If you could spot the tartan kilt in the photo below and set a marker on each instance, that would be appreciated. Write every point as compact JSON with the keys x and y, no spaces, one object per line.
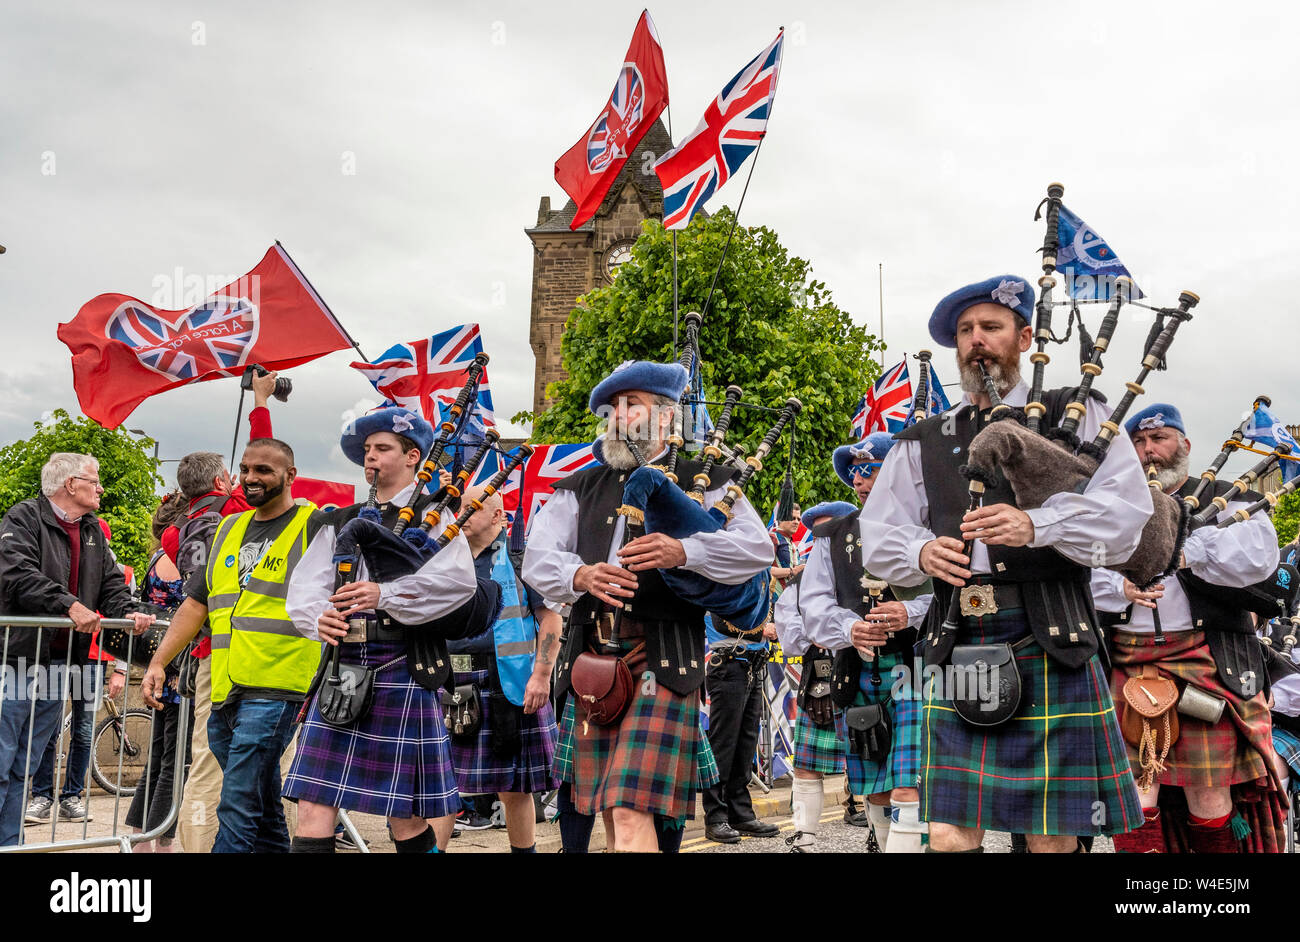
{"x":1287,"y":747}
{"x":395,"y":761}
{"x":706,"y":777}
{"x":817,"y":749}
{"x":1231,"y":751}
{"x":481,"y":771}
{"x":1236,"y":752}
{"x":1057,"y":767}
{"x":903,"y":767}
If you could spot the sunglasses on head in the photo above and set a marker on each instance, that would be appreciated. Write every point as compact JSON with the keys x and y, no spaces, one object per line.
{"x":865,"y":471}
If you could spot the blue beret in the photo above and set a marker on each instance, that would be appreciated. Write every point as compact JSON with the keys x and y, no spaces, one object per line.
{"x":827,"y":508}
{"x":1015,"y":294}
{"x":396,"y":419}
{"x":871,"y":449}
{"x":663,"y":379}
{"x":1156,"y":415}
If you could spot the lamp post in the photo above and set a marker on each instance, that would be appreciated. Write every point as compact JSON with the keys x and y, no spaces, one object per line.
{"x":143,"y":434}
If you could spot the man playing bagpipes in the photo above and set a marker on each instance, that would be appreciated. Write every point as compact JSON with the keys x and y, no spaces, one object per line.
{"x":869,"y":630}
{"x":395,"y":759}
{"x":1011,"y":640}
{"x":1188,"y":643}
{"x":642,"y":762}
{"x":506,"y":742}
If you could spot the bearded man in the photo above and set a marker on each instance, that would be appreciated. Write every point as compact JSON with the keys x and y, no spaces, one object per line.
{"x":644,"y":765}
{"x":1053,"y":769}
{"x":1194,"y":629}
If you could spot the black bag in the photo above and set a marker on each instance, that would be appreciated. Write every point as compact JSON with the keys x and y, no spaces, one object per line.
{"x":871,"y":731}
{"x":195,"y":532}
{"x":462,"y":713}
{"x":345,"y":699}
{"x":187,"y":668}
{"x":985,"y":683}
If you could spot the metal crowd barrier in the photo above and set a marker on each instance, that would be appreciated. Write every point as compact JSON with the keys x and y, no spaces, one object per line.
{"x":30,"y":679}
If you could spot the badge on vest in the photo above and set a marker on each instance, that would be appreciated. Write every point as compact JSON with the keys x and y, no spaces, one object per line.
{"x":230,"y":561}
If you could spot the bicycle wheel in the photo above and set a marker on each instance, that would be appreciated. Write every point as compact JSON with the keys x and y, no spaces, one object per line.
{"x":123,"y":739}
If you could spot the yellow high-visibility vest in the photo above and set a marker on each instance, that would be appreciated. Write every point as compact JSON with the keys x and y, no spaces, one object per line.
{"x":254,"y":642}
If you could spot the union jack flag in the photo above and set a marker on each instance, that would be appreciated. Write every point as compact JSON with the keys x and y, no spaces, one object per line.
{"x":888,"y":401}
{"x":729,"y":132}
{"x":215,"y":335}
{"x":545,"y":467}
{"x":427,"y":374}
{"x":860,"y":420}
{"x":616,"y":126}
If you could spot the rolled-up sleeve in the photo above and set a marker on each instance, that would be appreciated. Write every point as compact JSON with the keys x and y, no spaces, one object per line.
{"x":825,"y":622}
{"x":895,"y":518}
{"x":1236,"y":556}
{"x":789,"y":622}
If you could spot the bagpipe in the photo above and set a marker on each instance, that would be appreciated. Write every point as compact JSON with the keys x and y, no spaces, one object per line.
{"x":391,"y":554}
{"x":1037,"y":462}
{"x":654,"y":501}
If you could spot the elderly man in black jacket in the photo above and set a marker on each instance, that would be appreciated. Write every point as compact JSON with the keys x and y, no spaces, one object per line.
{"x":53,"y":561}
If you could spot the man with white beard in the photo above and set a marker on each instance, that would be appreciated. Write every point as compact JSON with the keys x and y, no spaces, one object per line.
{"x":1193,"y":628}
{"x":641,"y":767}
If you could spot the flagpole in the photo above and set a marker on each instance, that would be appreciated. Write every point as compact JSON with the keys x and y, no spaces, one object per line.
{"x":239,"y":415}
{"x":668,"y":110}
{"x":732,"y":231}
{"x":881,"y":282}
{"x":338,"y":323}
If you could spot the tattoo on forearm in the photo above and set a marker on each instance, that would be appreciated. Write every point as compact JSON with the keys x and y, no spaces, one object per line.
{"x":548,"y":648}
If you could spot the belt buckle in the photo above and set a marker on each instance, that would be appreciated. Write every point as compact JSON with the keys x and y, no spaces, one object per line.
{"x":977,"y":601}
{"x":359,"y":627}
{"x":604,"y":621}
{"x":462,"y":663}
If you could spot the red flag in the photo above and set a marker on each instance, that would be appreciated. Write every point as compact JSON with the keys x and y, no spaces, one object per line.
{"x":124,"y":351}
{"x":589,"y":167}
{"x":324,"y":494}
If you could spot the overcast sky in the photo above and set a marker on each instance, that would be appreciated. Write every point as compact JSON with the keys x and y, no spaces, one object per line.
{"x":140,"y":138}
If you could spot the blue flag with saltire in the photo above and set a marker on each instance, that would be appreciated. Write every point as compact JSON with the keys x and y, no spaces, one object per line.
{"x":1265,"y":429}
{"x":1086,"y":260}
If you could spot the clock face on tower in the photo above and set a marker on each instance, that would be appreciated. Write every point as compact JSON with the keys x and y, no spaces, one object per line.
{"x":616,"y":255}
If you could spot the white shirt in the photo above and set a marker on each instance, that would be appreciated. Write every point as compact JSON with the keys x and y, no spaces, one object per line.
{"x":789,"y":623}
{"x":1101,"y":525}
{"x":827,"y":624}
{"x":729,"y":556}
{"x":1236,"y":556}
{"x":1286,"y":692}
{"x":440,"y":586}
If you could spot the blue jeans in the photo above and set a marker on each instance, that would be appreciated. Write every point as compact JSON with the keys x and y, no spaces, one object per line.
{"x":248,"y":738}
{"x":84,"y":700}
{"x":16,"y":718}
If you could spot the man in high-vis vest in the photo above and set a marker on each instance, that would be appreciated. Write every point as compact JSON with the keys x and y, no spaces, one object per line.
{"x":508,"y":658}
{"x":261,"y":665}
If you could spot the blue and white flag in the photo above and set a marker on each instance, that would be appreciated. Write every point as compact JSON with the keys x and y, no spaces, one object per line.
{"x":938,"y":400}
{"x":1265,"y":429}
{"x":1088,"y":263}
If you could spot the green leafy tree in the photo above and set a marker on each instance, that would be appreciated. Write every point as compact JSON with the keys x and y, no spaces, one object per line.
{"x":1286,"y":518}
{"x":127,"y":470}
{"x":770,"y":328}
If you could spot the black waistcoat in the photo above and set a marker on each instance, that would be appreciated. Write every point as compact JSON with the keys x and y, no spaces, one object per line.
{"x":1058,"y":603}
{"x":1220,"y":612}
{"x":426,"y":651}
{"x":675,"y":627}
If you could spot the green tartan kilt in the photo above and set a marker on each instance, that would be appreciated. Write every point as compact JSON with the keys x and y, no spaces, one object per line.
{"x":902,"y":768}
{"x":1059,"y":766}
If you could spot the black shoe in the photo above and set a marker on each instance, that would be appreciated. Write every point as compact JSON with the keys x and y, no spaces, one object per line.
{"x":722,"y":833}
{"x":857,"y":819}
{"x":756,"y":828}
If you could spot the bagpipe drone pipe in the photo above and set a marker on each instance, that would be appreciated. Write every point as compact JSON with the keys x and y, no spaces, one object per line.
{"x":653,"y":500}
{"x":1037,"y":462}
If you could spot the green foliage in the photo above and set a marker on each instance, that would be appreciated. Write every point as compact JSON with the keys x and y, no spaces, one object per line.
{"x":127,"y":470}
{"x":1286,"y":518}
{"x":771,"y":329}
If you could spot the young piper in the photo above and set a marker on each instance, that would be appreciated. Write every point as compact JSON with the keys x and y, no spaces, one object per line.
{"x":396,"y":759}
{"x":644,"y":765}
{"x":1055,"y":769}
{"x":839,"y":615}
{"x":819,"y":730}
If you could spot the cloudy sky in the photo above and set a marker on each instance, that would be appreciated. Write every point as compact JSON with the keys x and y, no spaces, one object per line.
{"x":138,"y":139}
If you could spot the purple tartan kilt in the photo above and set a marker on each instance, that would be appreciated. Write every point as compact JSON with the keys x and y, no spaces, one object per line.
{"x":395,"y":761}
{"x":480,"y":771}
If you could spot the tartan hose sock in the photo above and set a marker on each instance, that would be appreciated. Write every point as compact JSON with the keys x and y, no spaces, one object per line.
{"x":1212,"y":835}
{"x":1147,"y":839}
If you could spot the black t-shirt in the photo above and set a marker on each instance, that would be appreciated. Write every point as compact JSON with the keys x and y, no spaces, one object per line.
{"x":257,"y":540}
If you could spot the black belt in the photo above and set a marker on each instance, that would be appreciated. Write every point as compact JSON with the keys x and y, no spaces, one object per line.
{"x":466,"y":663}
{"x":382,"y":627}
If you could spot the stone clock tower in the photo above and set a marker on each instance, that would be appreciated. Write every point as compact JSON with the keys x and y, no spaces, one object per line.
{"x":568,"y":264}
